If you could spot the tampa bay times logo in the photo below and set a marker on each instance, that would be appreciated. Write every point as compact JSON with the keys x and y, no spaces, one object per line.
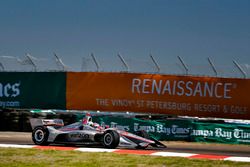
{"x":9,"y":89}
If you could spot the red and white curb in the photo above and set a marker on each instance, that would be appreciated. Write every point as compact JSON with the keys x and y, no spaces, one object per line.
{"x":137,"y":152}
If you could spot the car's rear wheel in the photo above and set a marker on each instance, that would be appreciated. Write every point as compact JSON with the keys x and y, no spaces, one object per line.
{"x":40,"y":135}
{"x":111,"y":139}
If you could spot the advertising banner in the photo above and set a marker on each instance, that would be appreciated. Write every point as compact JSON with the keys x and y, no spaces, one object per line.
{"x":182,"y":130}
{"x":32,"y":90}
{"x":161,"y":130}
{"x":221,"y":133}
{"x":155,"y":93}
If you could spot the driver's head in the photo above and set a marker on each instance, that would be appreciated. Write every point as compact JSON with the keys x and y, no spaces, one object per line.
{"x":87,"y":119}
{"x":90,"y":123}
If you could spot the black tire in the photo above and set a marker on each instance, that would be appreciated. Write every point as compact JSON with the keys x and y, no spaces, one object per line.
{"x":111,"y":139}
{"x":40,"y":136}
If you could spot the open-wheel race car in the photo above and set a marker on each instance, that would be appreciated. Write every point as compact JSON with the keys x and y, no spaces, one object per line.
{"x":85,"y":132}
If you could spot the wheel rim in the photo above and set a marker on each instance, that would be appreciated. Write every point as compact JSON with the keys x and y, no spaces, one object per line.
{"x":108,"y":139}
{"x":39,"y":135}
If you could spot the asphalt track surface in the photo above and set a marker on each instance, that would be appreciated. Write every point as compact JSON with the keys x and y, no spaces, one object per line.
{"x":180,"y":147}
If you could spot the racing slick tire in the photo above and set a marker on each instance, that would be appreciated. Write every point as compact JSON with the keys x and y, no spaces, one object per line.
{"x":40,"y":135}
{"x":111,"y":139}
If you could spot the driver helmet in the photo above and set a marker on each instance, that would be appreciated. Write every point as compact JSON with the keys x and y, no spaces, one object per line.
{"x":90,"y":123}
{"x":87,"y":120}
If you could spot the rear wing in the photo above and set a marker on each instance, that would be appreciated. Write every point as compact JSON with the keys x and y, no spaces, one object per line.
{"x":45,"y":122}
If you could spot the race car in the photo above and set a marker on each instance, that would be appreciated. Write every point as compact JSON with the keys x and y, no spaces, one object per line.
{"x":85,"y":132}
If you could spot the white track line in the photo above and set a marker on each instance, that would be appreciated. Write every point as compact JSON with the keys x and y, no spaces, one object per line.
{"x":172,"y":154}
{"x":239,"y":159}
{"x":95,"y":150}
{"x":16,"y":146}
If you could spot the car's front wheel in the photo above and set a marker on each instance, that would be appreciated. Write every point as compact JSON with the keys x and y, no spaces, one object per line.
{"x":40,"y":135}
{"x":111,"y":139}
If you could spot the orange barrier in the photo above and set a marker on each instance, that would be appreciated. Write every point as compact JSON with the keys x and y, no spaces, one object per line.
{"x":154,"y":93}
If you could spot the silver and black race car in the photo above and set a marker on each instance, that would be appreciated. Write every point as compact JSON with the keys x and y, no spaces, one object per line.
{"x":49,"y":131}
